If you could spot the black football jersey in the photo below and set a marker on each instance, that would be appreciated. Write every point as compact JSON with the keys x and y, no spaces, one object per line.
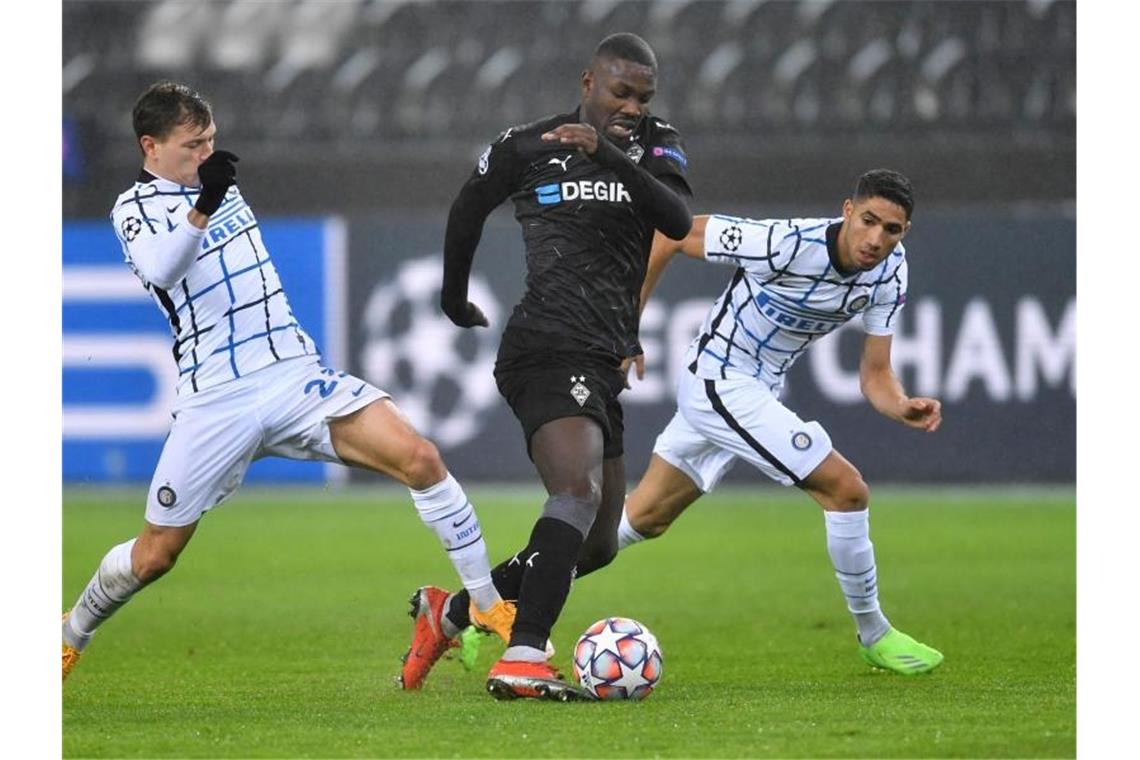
{"x":586,"y":249}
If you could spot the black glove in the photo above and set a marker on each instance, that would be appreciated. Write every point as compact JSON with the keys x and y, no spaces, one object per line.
{"x":216,"y":173}
{"x":469,"y":316}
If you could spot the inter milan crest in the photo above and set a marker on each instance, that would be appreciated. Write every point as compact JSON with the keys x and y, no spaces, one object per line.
{"x":579,"y":391}
{"x":731,"y":238}
{"x":857,"y":304}
{"x":166,"y":496}
{"x":131,"y":228}
{"x":801,"y":441}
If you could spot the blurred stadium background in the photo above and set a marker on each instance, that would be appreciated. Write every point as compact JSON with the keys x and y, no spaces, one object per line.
{"x":358,"y":120}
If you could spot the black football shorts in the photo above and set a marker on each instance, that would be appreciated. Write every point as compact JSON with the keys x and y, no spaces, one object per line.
{"x":546,"y":377}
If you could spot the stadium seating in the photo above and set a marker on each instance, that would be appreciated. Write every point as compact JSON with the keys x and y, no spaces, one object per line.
{"x":405,"y":68}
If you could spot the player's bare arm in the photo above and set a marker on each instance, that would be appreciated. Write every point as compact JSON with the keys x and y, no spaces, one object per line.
{"x":882,"y":388}
{"x":665,"y":248}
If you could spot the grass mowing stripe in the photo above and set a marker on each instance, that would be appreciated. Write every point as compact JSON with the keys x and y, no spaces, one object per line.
{"x":278,"y":634}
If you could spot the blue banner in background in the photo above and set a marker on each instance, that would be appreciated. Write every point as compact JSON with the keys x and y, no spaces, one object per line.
{"x":119,"y":374}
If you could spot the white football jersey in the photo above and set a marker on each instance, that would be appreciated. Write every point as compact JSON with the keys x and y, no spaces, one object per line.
{"x":217,"y":287}
{"x":785,"y":294}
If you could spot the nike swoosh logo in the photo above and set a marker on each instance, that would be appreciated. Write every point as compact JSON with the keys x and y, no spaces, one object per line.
{"x":359,"y":390}
{"x":465,"y":519}
{"x":172,"y":209}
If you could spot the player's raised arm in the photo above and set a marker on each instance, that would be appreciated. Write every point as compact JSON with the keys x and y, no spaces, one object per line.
{"x":883,"y":389}
{"x":664,"y":248}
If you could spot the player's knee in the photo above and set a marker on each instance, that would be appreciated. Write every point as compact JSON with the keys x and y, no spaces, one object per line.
{"x":853,"y":493}
{"x":585,"y":488}
{"x":153,"y":562}
{"x":422,"y":466}
{"x":650,"y":524}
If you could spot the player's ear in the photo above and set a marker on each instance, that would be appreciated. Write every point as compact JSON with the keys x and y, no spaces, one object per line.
{"x":587,"y":82}
{"x":147,"y":143}
{"x":848,"y":207}
{"x":906,"y":229}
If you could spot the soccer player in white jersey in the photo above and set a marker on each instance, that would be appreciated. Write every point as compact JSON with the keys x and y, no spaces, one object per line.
{"x":251,"y":382}
{"x":795,"y":281}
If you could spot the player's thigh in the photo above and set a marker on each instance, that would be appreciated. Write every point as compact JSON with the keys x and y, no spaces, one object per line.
{"x":204,"y":459}
{"x":837,"y":485}
{"x":740,"y":416}
{"x":380,"y":438}
{"x":567,"y":453}
{"x":316,"y":412}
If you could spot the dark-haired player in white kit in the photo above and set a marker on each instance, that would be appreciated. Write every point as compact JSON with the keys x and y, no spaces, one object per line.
{"x":796,"y":280}
{"x":251,"y":382}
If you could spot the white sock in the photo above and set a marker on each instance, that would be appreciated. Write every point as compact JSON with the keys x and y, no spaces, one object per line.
{"x":626,"y":533}
{"x":524,"y":654}
{"x":445,"y":509}
{"x":853,"y":555}
{"x":108,"y":590}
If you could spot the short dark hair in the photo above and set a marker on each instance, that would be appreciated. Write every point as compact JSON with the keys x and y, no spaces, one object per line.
{"x":628,"y":47}
{"x":889,"y":185}
{"x":166,"y":105}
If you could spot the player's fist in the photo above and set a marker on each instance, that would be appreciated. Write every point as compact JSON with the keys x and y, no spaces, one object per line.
{"x":922,"y":413}
{"x":216,"y":174}
{"x":469,"y":316}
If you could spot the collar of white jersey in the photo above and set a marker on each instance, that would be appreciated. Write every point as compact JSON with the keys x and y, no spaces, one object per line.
{"x":146,"y":177}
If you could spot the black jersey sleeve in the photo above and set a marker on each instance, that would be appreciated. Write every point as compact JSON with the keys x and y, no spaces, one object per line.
{"x":653,"y":200}
{"x":665,"y":154}
{"x":492,"y":182}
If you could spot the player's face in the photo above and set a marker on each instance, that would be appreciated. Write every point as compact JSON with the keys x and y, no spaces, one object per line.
{"x":176,"y":156}
{"x":616,"y":95}
{"x":872,"y":227}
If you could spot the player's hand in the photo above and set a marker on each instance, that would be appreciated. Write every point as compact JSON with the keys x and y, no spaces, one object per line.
{"x":638,"y":362}
{"x":922,"y":413}
{"x":216,"y":174}
{"x":471,"y":316}
{"x":581,"y":136}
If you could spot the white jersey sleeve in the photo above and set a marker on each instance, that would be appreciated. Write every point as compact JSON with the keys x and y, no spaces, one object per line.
{"x":889,"y":297}
{"x":760,"y":247}
{"x":159,"y":246}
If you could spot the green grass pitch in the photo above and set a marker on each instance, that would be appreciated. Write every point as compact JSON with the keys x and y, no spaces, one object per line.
{"x":279,"y":633}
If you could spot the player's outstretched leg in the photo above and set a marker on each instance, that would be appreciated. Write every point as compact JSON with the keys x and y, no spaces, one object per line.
{"x":124,"y":570}
{"x":898,"y":652}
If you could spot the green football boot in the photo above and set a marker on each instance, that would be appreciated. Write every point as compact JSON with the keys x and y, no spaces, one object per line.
{"x":898,"y":652}
{"x":469,"y":640}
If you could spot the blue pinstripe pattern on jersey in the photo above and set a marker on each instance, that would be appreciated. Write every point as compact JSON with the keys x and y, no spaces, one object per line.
{"x":234,"y":274}
{"x":233,"y":300}
{"x":242,"y":342}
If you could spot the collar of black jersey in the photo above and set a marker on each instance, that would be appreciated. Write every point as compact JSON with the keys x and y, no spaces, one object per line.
{"x":145,"y":176}
{"x":833,"y":250}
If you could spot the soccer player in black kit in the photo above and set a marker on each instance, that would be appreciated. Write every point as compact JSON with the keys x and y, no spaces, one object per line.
{"x":589,"y":189}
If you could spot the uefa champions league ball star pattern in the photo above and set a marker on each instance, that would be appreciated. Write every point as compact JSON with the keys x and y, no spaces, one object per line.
{"x":617,"y":658}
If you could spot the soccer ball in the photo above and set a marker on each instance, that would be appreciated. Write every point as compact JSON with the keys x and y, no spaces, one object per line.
{"x":617,"y":658}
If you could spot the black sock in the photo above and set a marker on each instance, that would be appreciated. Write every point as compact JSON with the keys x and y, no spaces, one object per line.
{"x":548,"y":567}
{"x":507,"y":577}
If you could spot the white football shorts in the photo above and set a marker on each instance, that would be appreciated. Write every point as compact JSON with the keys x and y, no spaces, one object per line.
{"x":280,"y":410}
{"x":719,"y":421}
